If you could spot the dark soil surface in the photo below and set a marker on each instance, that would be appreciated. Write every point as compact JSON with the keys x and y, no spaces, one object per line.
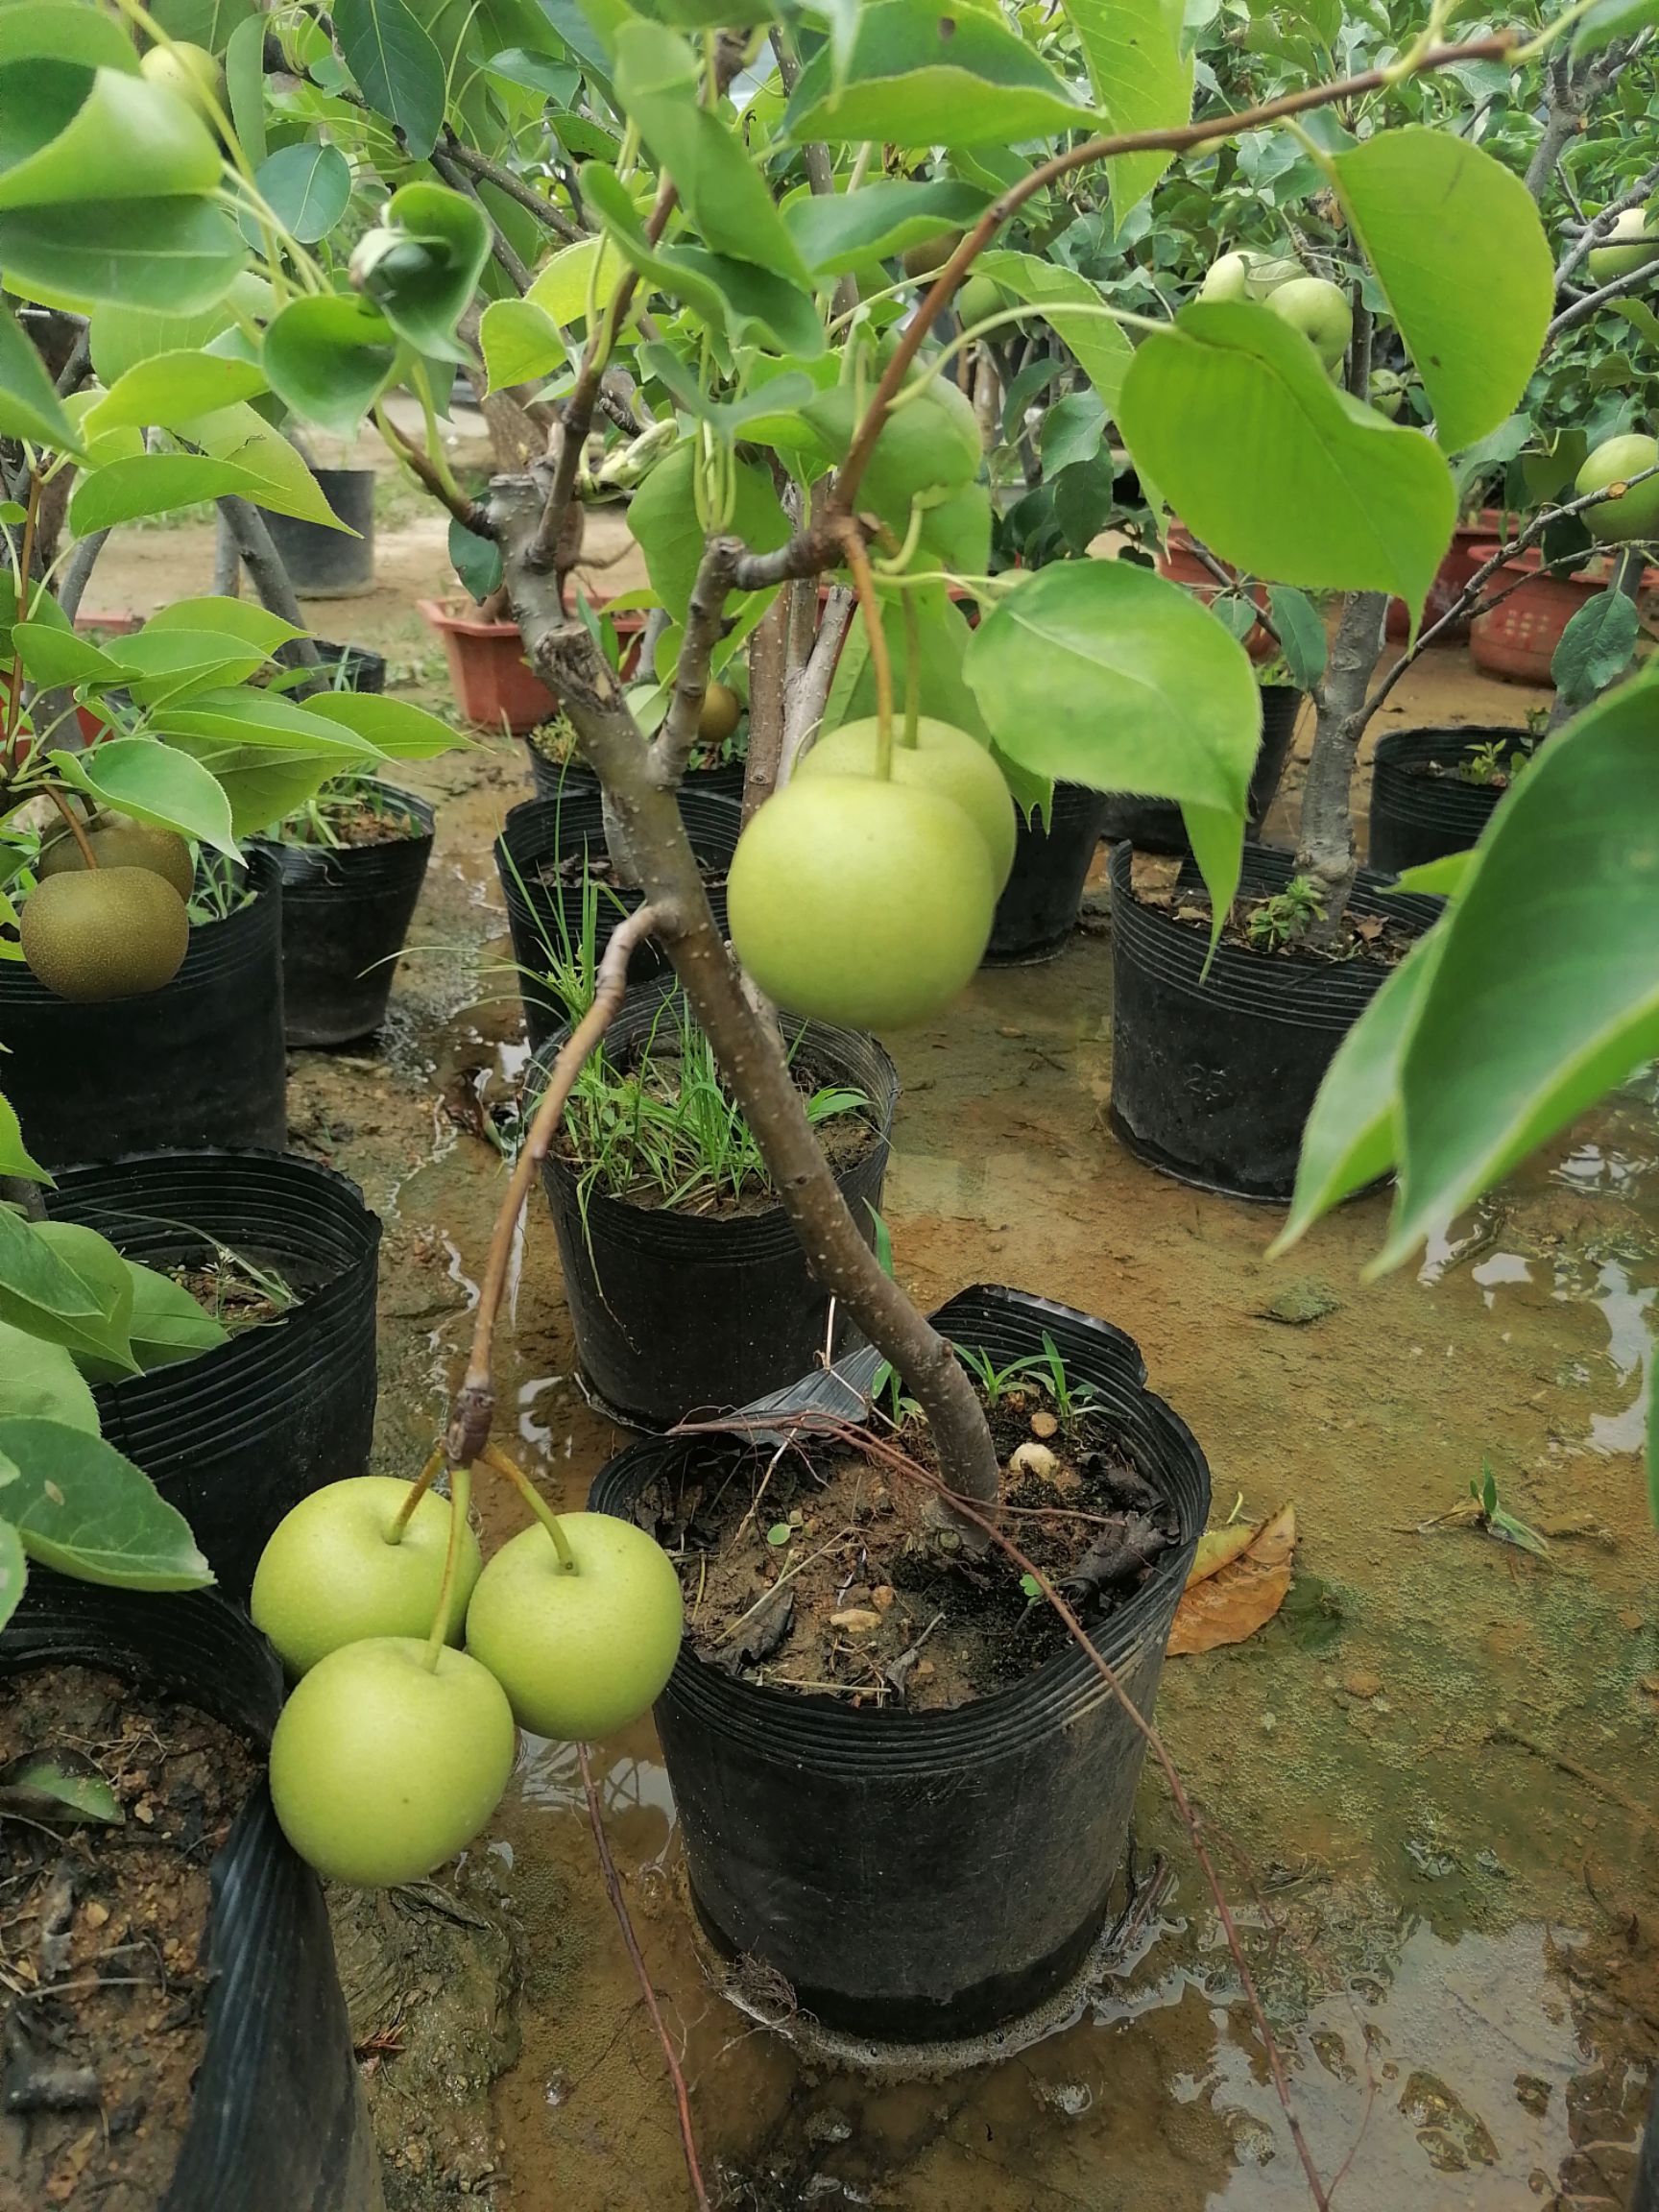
{"x":372,"y":822}
{"x":822,"y":1569}
{"x":232,"y":1295}
{"x":103,"y":1975}
{"x":593,"y":862}
{"x":1369,"y":937}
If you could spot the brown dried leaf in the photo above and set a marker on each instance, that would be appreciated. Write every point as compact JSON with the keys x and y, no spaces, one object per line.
{"x":1235,"y":1600}
{"x":1219,"y":1548}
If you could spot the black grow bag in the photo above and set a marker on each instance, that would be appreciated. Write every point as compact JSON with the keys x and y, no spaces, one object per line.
{"x":543,"y":916}
{"x":1155,"y":825}
{"x":1213,"y":1078}
{"x":277,"y":2122}
{"x":237,"y":1437}
{"x":1037,"y":909}
{"x":554,"y":779}
{"x":199,"y":1062}
{"x":346,"y":912}
{"x":677,"y":1313}
{"x":922,"y":1877}
{"x":322,"y":562}
{"x":1417,"y":815}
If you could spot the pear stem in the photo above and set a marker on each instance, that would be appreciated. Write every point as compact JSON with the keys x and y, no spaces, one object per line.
{"x":418,"y":1490}
{"x":912,"y":670}
{"x":493,"y":1456}
{"x":880,"y":661}
{"x":460,"y":1494}
{"x":77,"y":829}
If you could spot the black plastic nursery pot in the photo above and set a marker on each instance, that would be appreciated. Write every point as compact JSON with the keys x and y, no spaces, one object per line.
{"x":346,"y":912}
{"x":277,"y":2122}
{"x":679,"y":1313}
{"x":922,"y":1877}
{"x":1421,"y":808}
{"x":1038,"y":909}
{"x":201,"y":1060}
{"x":1213,"y":1078}
{"x":1155,"y":825}
{"x":324,"y":563}
{"x":557,"y":778}
{"x":352,"y":668}
{"x":237,"y":1436}
{"x":544,"y":914}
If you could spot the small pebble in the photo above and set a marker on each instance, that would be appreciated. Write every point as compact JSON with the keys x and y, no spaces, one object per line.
{"x":882,"y":1595}
{"x":1044,"y":1423}
{"x":1363,"y":1685}
{"x":857,"y":1619}
{"x":1032,"y":1460}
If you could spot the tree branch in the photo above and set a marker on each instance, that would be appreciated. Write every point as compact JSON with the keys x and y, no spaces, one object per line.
{"x":471,"y":514}
{"x":1468,"y":600}
{"x":1600,"y":228}
{"x":705,"y":620}
{"x":473,"y":1407}
{"x":768,"y":684}
{"x":507,"y":181}
{"x":1177,"y":140}
{"x":1591,"y":303}
{"x":270,"y":579}
{"x":1325,"y":847}
{"x":454,"y":174}
{"x":749,"y":1056}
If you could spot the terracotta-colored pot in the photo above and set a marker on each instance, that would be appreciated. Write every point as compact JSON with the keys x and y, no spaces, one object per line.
{"x":1180,"y":561}
{"x":1452,"y":575}
{"x":1518,"y":637}
{"x":495,"y":685}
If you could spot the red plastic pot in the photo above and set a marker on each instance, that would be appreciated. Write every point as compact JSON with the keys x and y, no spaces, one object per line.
{"x":495,"y":685}
{"x":1452,"y":576}
{"x":1180,"y":561}
{"x":1517,"y":637}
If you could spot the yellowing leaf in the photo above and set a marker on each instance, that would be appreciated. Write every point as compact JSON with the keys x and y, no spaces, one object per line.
{"x":1237,"y":1595}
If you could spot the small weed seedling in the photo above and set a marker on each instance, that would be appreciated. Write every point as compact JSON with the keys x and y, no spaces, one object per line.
{"x":1494,"y":765}
{"x":1286,"y":916}
{"x":1491,"y":1517}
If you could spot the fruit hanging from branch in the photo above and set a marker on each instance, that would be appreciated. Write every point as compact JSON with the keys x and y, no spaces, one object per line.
{"x":1632,"y":515}
{"x":104,"y":933}
{"x":943,"y":760}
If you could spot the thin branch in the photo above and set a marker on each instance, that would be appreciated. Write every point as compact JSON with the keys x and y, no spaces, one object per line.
{"x":642,"y":1974}
{"x":454,"y":174}
{"x":576,"y":416}
{"x":1589,"y":304}
{"x":1468,"y":600}
{"x":471,"y":513}
{"x":768,"y":685}
{"x":891,"y":1455}
{"x":78,"y":573}
{"x":705,"y":620}
{"x":809,"y":694}
{"x":1600,"y":227}
{"x":264,"y":566}
{"x":1181,"y":141}
{"x":508,"y":180}
{"x":474,"y":1404}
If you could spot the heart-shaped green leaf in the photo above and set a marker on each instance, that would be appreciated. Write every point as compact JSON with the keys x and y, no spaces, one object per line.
{"x":80,"y":1507}
{"x":168,"y":1324}
{"x":307,"y":186}
{"x":70,"y":134}
{"x":1546,"y":989}
{"x":397,"y":66}
{"x":1141,"y":80}
{"x":1460,"y":253}
{"x":1102,"y":673}
{"x":174,"y":257}
{"x":154,"y":783}
{"x":838,"y":232}
{"x":1072,"y":308}
{"x":173,"y":388}
{"x":520,"y":343}
{"x":1232,"y":417}
{"x":396,"y":727}
{"x":917,"y":76}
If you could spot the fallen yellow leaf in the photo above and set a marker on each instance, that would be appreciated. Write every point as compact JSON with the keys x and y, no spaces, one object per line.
{"x":1219,"y":1548}
{"x":1240,"y":1591}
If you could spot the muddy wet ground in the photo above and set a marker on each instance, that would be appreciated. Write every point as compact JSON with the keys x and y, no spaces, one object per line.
{"x":1429,"y":1782}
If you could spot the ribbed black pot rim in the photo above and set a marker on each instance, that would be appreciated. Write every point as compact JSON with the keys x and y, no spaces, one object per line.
{"x":217,"y":949}
{"x":338,"y":874}
{"x":1296,"y":989}
{"x":553,"y":778}
{"x":827,"y":1737}
{"x":149,"y":1205}
{"x":849,"y":1055}
{"x":539,"y":829}
{"x":1438,"y":802}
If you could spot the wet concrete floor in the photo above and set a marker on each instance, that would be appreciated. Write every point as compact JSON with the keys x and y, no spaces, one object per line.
{"x":1429,"y":1782}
